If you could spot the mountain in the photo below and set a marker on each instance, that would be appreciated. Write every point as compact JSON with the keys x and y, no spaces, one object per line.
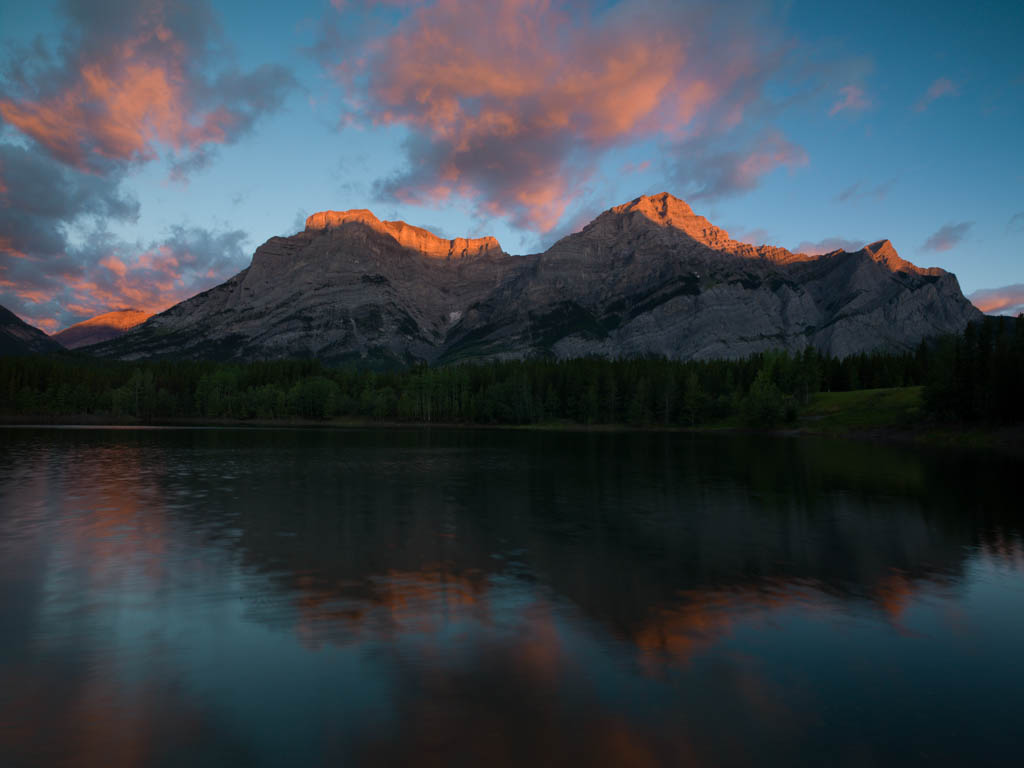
{"x":646,"y":277}
{"x":103,"y":327}
{"x":19,"y":338}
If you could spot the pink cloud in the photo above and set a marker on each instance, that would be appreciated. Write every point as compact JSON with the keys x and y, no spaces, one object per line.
{"x":29,"y":294}
{"x":151,"y":281}
{"x":1008,"y":300}
{"x":121,"y":96}
{"x":119,"y":106}
{"x":510,"y":103}
{"x":107,"y":274}
{"x":941,"y":87}
{"x":852,"y":98}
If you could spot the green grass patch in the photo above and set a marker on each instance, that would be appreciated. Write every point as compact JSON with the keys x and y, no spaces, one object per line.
{"x":865,"y":409}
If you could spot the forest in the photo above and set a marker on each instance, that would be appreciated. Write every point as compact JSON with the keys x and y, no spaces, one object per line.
{"x":973,"y":377}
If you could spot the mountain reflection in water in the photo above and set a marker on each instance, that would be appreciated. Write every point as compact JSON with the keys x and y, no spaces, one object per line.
{"x":268,"y":597}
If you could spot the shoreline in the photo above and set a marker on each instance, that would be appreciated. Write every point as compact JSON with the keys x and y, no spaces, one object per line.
{"x":1000,"y":438}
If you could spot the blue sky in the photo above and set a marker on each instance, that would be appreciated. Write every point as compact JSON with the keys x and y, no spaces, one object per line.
{"x":146,"y":148}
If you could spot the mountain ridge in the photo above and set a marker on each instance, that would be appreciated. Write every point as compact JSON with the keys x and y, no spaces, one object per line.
{"x":648,"y":277}
{"x":407,"y":235}
{"x":19,"y":338}
{"x":100,"y":328}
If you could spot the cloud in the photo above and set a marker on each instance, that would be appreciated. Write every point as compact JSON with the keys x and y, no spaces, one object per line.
{"x":852,"y":98}
{"x":1008,"y":300}
{"x":708,"y":173}
{"x":941,"y":87}
{"x":755,"y":236}
{"x":630,"y":167}
{"x":40,"y":199}
{"x":128,"y":82}
{"x":1016,"y":222}
{"x":511,"y":104}
{"x":106,"y":273}
{"x":861,"y":191}
{"x":948,"y":236}
{"x":131,"y":79}
{"x":828,"y":245}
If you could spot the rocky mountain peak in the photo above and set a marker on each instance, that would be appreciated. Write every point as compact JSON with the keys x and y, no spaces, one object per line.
{"x":661,"y":208}
{"x":667,"y":211}
{"x":408,"y":236}
{"x":666,"y":222}
{"x":884,"y":252}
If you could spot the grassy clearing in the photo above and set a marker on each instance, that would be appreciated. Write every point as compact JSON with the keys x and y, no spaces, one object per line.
{"x":867,"y":409}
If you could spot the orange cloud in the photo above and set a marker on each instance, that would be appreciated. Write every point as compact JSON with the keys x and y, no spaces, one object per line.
{"x":120,"y":98}
{"x":152,"y":282}
{"x":33,"y":295}
{"x":110,"y":275}
{"x":118,"y":107}
{"x":1008,"y":300}
{"x":511,"y":101}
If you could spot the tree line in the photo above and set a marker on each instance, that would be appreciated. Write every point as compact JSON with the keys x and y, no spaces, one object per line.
{"x":977,"y":376}
{"x":971,"y":376}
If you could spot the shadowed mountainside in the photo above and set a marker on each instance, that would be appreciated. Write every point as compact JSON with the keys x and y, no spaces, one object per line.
{"x":649,"y":277}
{"x":19,"y":338}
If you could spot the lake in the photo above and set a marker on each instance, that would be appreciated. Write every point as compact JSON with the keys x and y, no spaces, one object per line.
{"x":489,"y":597}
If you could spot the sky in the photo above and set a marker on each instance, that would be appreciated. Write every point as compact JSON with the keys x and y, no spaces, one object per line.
{"x":147,"y":147}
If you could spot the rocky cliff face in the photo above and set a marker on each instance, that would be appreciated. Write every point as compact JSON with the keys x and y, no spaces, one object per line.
{"x":101,"y":328}
{"x":647,"y":277}
{"x":19,"y":338}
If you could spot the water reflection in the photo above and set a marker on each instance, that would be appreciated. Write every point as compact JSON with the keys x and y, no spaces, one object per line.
{"x":446,"y":597}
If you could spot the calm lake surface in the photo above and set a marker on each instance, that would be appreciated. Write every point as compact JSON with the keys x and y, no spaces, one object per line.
{"x":481,"y":598}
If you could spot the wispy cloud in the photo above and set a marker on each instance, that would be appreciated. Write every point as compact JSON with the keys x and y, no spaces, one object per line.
{"x":861,"y":191}
{"x":948,"y":236}
{"x":706,"y":172}
{"x":511,"y":104}
{"x":756,"y":236}
{"x":939,"y":88}
{"x":628,"y":168}
{"x":828,"y":245}
{"x":852,"y":98}
{"x":1008,"y":300}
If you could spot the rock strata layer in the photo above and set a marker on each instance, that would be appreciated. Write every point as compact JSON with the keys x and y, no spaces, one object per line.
{"x":647,"y":277}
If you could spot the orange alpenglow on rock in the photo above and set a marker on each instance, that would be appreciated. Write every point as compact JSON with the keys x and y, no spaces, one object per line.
{"x":103,"y":327}
{"x":408,"y":236}
{"x":649,"y":277}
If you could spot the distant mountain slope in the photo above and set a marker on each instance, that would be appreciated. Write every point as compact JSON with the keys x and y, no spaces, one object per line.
{"x":103,"y":327}
{"x":19,"y":338}
{"x":646,"y":277}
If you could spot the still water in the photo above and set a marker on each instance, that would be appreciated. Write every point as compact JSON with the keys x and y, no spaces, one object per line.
{"x":482,"y":598}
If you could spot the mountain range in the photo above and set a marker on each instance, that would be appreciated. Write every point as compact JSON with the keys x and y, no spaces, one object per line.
{"x":649,"y":277}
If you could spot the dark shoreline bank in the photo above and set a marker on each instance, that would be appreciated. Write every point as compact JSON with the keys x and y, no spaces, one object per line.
{"x":999,"y":438}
